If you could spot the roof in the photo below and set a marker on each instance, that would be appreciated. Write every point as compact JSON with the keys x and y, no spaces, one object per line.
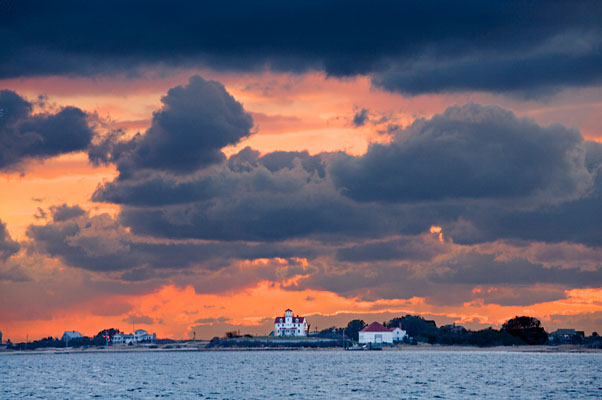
{"x":72,"y":335}
{"x":280,"y":320}
{"x":564,"y":332}
{"x":376,"y":327}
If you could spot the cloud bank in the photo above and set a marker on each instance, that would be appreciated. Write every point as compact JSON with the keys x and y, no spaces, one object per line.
{"x":530,"y":48}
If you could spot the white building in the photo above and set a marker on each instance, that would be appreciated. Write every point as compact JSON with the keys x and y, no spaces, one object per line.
{"x":290,"y":325}
{"x":123,"y":338}
{"x":68,"y":336}
{"x":143,"y":336}
{"x":399,"y":334}
{"x":377,"y":333}
{"x":137,"y":337}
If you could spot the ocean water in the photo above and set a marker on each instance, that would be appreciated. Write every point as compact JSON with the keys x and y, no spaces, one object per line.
{"x":302,"y":375}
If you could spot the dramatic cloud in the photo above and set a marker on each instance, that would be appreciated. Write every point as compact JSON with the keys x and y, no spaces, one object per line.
{"x":8,"y":247}
{"x":139,"y":319}
{"x":478,"y":171}
{"x":360,"y":118}
{"x":65,"y":212}
{"x":9,"y":271}
{"x":24,"y":135}
{"x":197,"y":120}
{"x":101,"y":244}
{"x":411,"y":47}
{"x":468,"y":152}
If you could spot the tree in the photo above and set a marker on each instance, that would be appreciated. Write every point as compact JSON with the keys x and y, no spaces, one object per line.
{"x":104,"y":336}
{"x":353,"y":328}
{"x":416,"y":327}
{"x":527,"y":328}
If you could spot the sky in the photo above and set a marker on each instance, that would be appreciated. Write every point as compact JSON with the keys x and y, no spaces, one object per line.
{"x":192,"y":169}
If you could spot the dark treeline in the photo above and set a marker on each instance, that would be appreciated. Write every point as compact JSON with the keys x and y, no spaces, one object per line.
{"x":100,"y":339}
{"x":516,"y":331}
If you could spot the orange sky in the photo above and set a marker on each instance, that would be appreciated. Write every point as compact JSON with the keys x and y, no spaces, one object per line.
{"x":291,"y":112}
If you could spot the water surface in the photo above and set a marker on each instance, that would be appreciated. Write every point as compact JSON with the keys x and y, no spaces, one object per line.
{"x":303,"y":375}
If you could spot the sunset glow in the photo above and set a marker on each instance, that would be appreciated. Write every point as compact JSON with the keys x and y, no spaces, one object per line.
{"x":202,"y":190}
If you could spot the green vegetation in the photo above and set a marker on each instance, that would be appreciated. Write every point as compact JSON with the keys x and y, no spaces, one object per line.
{"x":100,"y":339}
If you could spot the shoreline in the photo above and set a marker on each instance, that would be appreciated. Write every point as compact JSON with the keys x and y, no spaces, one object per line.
{"x":562,"y":349}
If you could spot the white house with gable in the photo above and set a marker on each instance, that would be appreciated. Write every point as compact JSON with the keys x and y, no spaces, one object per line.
{"x":377,"y":333}
{"x":143,"y":336}
{"x":137,"y":337}
{"x":290,"y":325}
{"x":68,"y":336}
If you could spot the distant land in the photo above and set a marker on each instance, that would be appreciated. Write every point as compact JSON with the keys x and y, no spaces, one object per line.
{"x":517,"y":334}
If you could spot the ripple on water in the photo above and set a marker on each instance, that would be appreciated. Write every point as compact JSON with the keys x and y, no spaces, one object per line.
{"x":307,"y":375}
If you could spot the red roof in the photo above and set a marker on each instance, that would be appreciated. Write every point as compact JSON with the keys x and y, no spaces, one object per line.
{"x":375,"y":327}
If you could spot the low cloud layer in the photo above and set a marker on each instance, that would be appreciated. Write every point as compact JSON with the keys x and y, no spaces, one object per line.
{"x":100,"y":244}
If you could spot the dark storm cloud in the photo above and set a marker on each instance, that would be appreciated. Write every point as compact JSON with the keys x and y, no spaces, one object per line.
{"x":13,"y":274}
{"x":101,"y":244}
{"x":65,"y":212}
{"x":577,"y":221}
{"x":411,"y":248}
{"x":360,"y":118}
{"x":9,"y":271}
{"x":278,"y":196}
{"x":261,"y":216}
{"x":412,"y":47}
{"x":456,"y":276}
{"x":209,"y":321}
{"x":8,"y":247}
{"x":478,"y":171}
{"x":139,"y":319}
{"x":483,"y":269}
{"x":526,"y":75}
{"x":468,"y":152}
{"x":521,"y":295}
{"x":196,"y":121}
{"x":278,"y":173}
{"x":24,"y":135}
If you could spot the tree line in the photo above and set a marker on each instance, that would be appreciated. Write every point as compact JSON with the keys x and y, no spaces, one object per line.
{"x":100,"y":339}
{"x":523,"y":330}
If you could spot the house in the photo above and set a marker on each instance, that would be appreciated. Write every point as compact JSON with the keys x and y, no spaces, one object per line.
{"x":123,"y":338}
{"x":399,"y":334}
{"x":453,"y":329}
{"x":143,"y":336}
{"x":68,"y":336}
{"x":378,"y":334}
{"x":566,"y":336}
{"x":139,"y":336}
{"x":290,"y":325}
